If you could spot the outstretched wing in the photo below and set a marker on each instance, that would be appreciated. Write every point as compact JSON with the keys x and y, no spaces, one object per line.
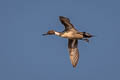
{"x":66,"y":22}
{"x":73,"y":51}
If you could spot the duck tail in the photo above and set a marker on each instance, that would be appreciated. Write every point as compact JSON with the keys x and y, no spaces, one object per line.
{"x":87,"y":35}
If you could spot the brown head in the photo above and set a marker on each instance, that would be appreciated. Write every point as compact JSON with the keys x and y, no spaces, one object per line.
{"x":50,"y":32}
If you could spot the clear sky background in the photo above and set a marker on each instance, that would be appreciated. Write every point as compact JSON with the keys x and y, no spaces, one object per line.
{"x":26,"y":55}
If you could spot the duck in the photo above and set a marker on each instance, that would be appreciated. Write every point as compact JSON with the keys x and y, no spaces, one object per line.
{"x":73,"y":35}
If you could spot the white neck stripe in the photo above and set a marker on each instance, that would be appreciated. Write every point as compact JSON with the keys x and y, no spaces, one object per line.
{"x":57,"y":33}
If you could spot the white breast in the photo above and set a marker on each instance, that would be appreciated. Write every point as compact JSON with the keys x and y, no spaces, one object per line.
{"x":67,"y":35}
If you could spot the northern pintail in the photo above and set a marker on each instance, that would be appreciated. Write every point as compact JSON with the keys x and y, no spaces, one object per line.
{"x":73,"y":35}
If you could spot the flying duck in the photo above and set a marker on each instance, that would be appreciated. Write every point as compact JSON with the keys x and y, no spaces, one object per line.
{"x":73,"y":35}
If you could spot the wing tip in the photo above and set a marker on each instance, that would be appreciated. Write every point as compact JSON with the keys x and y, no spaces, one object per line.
{"x":74,"y":66}
{"x":63,"y":18}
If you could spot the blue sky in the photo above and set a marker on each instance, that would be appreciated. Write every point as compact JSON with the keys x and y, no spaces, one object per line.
{"x":26,"y":55}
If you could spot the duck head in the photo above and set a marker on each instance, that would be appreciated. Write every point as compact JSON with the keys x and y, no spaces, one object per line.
{"x":50,"y":32}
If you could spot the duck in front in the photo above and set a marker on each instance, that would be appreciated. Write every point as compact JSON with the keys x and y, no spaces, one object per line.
{"x":73,"y":35}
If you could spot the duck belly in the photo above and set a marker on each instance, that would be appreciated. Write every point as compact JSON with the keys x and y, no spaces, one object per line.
{"x":71,"y":35}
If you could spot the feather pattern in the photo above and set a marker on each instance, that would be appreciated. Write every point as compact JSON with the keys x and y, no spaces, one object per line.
{"x":73,"y":51}
{"x":66,"y":22}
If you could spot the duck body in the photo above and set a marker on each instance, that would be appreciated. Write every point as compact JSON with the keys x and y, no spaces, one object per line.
{"x":71,"y":35}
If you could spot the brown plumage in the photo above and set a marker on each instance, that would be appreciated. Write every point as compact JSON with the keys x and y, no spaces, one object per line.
{"x":73,"y":36}
{"x":73,"y":51}
{"x":66,"y":22}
